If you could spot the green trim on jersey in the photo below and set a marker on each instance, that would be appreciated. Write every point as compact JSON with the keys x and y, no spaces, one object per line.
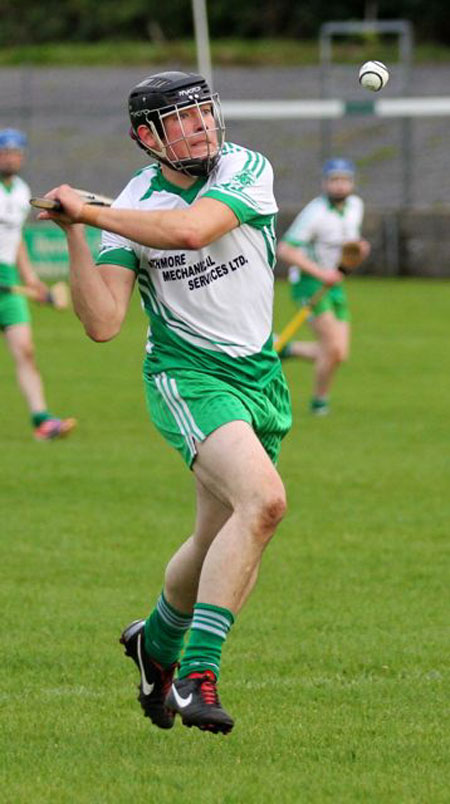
{"x":244,"y":212}
{"x":173,"y":352}
{"x":332,"y":206}
{"x":159,"y":184}
{"x":252,"y":156}
{"x":155,"y":306}
{"x":185,"y":333}
{"x":270,"y":237}
{"x":119,"y":256}
{"x":296,"y":243}
{"x":9,"y":186}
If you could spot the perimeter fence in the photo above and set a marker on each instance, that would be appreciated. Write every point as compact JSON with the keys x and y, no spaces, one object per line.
{"x":76,"y":120}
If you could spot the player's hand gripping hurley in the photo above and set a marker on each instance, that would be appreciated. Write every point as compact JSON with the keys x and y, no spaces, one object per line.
{"x":53,"y":205}
{"x":351,"y":257}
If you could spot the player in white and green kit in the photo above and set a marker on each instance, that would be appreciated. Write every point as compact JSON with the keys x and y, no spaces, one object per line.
{"x":196,"y":232}
{"x":312,"y":247}
{"x":15,"y":268}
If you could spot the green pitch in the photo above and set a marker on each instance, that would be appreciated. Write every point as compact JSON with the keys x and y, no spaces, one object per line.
{"x":336,"y":671}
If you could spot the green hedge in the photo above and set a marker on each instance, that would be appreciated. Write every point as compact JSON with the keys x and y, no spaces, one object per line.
{"x":29,"y":22}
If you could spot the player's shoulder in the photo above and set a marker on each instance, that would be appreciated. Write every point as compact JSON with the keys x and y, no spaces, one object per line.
{"x":313,"y":209}
{"x":319,"y":203}
{"x":238,"y":159}
{"x":140,"y":183}
{"x":21,"y":187}
{"x":355,"y":204}
{"x":355,"y":200}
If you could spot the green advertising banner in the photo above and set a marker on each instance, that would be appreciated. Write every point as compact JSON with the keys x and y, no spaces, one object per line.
{"x":47,"y":248}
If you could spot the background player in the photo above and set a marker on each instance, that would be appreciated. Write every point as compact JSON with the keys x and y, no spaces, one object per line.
{"x":312,"y":247}
{"x":14,"y":262}
{"x":197,"y":232}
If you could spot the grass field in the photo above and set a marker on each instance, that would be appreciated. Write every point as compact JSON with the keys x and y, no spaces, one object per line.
{"x":337,"y":669}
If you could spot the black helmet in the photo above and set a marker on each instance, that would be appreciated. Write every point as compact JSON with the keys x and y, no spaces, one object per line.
{"x":163,"y":94}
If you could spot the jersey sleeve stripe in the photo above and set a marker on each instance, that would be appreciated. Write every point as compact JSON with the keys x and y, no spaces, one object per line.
{"x":269,"y":240}
{"x":118,"y":256}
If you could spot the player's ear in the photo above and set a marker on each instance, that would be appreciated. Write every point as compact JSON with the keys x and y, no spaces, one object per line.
{"x":146,"y":136}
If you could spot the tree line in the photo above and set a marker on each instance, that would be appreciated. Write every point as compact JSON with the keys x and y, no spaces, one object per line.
{"x":30,"y":22}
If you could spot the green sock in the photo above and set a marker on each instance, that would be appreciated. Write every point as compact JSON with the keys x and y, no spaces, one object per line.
{"x":38,"y":418}
{"x":209,"y":630}
{"x":164,"y":632}
{"x":319,"y":402}
{"x":285,"y":352}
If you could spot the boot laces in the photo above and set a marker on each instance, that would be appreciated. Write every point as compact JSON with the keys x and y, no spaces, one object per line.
{"x":207,"y":687}
{"x":208,"y":690}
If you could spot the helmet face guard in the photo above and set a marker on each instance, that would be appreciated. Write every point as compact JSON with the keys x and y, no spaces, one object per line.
{"x":164,"y":149}
{"x":165,"y":95}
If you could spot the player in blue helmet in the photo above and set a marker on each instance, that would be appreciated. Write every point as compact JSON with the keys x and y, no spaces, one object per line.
{"x":13,"y":139}
{"x":312,"y":247}
{"x":340,"y":165}
{"x":15,"y":266}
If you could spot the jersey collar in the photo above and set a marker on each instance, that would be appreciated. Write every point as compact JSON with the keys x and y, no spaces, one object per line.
{"x":159,"y":183}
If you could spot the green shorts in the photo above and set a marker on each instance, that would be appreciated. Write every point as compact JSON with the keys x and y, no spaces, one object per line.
{"x":186,"y":406}
{"x":335,"y":300}
{"x":13,"y":310}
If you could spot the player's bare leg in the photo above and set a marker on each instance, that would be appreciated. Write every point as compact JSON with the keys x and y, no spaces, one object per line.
{"x":184,"y":568}
{"x":155,"y":646}
{"x":20,"y":344}
{"x":306,"y":350}
{"x":334,"y":344}
{"x":233,"y":466}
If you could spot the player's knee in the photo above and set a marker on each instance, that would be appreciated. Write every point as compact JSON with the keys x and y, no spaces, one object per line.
{"x":275,"y":510}
{"x":337,"y":353}
{"x":25,"y":353}
{"x":342,"y":354}
{"x":271,"y":509}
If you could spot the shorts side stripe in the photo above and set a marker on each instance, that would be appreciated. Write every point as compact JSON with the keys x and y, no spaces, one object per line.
{"x":175,"y":403}
{"x":175,"y":413}
{"x":194,"y":428}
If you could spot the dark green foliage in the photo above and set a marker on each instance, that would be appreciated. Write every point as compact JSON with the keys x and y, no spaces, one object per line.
{"x":28,"y":22}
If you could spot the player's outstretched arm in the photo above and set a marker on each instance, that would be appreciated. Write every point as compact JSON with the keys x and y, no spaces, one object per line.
{"x":191,"y":228}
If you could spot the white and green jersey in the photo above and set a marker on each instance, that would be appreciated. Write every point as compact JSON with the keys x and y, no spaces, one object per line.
{"x":14,"y":209}
{"x":210,"y":309}
{"x":321,"y":229}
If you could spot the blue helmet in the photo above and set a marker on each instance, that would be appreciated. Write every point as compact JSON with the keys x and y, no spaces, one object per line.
{"x":338,"y":165}
{"x":12,"y":139}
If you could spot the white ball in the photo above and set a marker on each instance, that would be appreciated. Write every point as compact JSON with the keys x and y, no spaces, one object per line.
{"x":373,"y":75}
